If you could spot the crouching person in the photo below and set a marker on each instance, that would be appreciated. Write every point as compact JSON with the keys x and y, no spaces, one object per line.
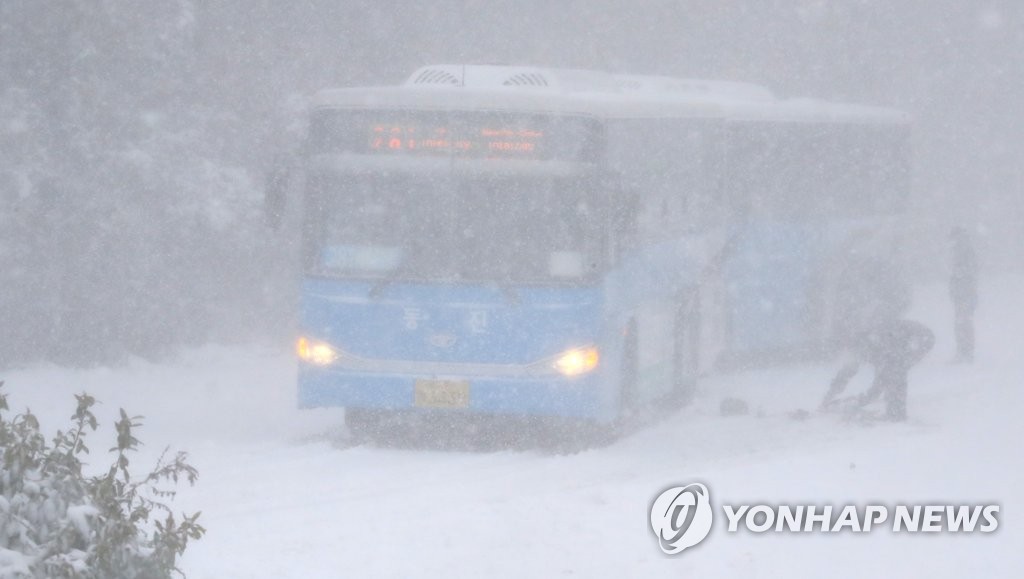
{"x":892,"y":349}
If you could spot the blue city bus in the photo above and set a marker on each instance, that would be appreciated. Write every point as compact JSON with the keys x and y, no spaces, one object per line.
{"x":491,"y":241}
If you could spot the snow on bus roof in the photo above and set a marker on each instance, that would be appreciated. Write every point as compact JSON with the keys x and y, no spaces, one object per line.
{"x":691,"y":87}
{"x":594,"y":93}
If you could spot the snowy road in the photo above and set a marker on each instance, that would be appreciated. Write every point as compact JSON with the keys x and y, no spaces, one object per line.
{"x":282,"y":498}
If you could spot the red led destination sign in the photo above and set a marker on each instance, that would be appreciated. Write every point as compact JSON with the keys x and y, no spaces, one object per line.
{"x":467,"y":134}
{"x":487,"y":141}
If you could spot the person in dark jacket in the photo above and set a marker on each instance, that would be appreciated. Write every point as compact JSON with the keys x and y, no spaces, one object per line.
{"x":963,"y":290}
{"x":892,"y":349}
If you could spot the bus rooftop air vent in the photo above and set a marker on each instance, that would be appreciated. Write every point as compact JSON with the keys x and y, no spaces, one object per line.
{"x":435,"y":76}
{"x":526,"y":79}
{"x":483,"y":76}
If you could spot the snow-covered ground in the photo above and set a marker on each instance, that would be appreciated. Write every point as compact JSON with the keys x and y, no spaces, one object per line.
{"x":282,"y":497}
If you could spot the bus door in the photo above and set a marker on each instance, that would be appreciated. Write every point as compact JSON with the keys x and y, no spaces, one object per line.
{"x":769,"y":287}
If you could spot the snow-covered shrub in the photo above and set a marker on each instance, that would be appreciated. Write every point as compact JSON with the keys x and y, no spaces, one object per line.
{"x":57,"y":522}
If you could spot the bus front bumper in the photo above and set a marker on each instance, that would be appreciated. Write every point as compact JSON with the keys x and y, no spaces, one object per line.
{"x":554,"y":396}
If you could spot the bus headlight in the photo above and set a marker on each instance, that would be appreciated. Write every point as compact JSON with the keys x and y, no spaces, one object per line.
{"x":577,"y":361}
{"x":315,"y":352}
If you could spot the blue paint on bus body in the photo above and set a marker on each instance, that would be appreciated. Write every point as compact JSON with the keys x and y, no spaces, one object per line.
{"x":498,"y":340}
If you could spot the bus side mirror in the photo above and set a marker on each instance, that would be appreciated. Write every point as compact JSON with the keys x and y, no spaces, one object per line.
{"x":621,"y":216}
{"x":624,"y":225}
{"x":275,"y":196}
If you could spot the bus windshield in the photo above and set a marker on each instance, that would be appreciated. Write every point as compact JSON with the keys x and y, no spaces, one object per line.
{"x":505,"y":228}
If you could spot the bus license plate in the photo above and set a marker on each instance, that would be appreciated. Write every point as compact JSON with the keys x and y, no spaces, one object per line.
{"x":442,"y":393}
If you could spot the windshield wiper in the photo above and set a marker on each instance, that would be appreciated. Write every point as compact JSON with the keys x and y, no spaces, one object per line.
{"x":378,"y":288}
{"x":508,"y":291}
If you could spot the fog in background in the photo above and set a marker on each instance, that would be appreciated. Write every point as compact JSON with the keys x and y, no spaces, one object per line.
{"x":134,"y":137}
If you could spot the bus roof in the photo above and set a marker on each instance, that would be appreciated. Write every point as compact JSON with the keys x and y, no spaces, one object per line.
{"x":595,"y":93}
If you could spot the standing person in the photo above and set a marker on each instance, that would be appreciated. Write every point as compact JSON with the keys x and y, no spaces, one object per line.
{"x":963,"y":290}
{"x":892,"y":348}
